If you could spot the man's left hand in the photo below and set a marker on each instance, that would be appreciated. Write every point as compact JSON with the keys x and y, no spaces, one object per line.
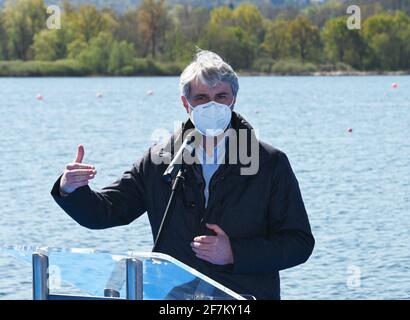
{"x":214,"y":249}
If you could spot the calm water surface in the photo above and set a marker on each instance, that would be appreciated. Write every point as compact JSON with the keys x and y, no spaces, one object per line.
{"x":356,"y":186}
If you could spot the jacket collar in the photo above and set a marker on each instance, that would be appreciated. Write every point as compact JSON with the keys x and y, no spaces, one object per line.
{"x":238,"y":123}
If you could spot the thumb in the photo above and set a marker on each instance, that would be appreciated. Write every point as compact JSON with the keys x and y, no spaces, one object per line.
{"x":80,"y":154}
{"x":215,"y":228}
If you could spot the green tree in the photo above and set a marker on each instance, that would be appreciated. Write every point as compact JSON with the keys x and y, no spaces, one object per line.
{"x":22,"y":20}
{"x":96,"y":54}
{"x":277,"y":42}
{"x":75,"y":48}
{"x":50,"y":45}
{"x":234,"y":33}
{"x":232,"y":43}
{"x":305,"y":38}
{"x":185,"y":27}
{"x":402,"y":22}
{"x":86,"y":29}
{"x":128,"y":30}
{"x":342,"y":44}
{"x":221,"y":16}
{"x":388,"y":37}
{"x":87,"y":22}
{"x":319,"y":15}
{"x":189,"y":20}
{"x":3,"y":39}
{"x":248,"y":17}
{"x":122,"y":55}
{"x":152,"y":23}
{"x":192,"y":21}
{"x":177,"y":45}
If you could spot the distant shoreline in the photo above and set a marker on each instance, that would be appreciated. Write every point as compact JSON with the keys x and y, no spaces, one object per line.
{"x":243,"y":74}
{"x":150,"y":68}
{"x":331,"y":73}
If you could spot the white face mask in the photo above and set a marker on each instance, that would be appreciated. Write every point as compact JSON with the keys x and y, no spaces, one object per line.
{"x":211,"y":118}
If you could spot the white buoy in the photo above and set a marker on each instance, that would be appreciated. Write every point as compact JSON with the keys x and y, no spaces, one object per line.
{"x":39,"y":97}
{"x":150,"y":92}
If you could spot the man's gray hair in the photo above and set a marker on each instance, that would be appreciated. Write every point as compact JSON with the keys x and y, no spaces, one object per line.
{"x":210,"y":69}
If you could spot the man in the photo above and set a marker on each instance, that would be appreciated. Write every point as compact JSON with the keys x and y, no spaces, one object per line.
{"x":238,"y":225}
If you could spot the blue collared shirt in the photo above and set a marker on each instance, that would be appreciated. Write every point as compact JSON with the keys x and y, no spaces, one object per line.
{"x":211,"y":163}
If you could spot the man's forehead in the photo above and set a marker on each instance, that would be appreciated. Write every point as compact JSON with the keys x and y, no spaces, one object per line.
{"x":197,"y":87}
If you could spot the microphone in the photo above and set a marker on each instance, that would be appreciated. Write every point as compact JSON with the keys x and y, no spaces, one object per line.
{"x":189,"y":144}
{"x":174,"y":173}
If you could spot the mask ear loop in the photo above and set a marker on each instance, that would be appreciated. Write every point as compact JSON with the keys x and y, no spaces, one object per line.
{"x":192,"y":108}
{"x":189,"y":104}
{"x":231,"y":105}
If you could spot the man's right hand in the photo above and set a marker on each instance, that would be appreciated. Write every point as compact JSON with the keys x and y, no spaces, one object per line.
{"x":76,"y":174}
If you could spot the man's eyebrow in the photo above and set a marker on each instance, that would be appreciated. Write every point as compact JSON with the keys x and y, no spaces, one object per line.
{"x":200,"y":95}
{"x":206,"y":95}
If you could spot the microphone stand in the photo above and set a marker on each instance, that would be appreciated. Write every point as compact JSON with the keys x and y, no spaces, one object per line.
{"x":168,"y":210}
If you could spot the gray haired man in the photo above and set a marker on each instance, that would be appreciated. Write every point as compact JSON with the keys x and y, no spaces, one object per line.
{"x":239,"y":227}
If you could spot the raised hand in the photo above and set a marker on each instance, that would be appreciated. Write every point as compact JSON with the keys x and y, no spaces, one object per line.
{"x":76,"y":174}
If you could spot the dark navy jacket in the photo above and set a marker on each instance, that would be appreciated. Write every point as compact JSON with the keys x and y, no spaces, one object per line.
{"x":263,"y":214}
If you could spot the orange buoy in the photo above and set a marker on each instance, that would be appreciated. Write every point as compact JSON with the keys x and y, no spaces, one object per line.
{"x":395,"y":85}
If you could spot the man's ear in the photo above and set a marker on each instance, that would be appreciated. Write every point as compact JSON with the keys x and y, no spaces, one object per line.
{"x":233,"y":102}
{"x":185,"y":103}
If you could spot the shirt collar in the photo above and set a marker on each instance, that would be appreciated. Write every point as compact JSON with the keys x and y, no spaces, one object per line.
{"x":218,"y":156}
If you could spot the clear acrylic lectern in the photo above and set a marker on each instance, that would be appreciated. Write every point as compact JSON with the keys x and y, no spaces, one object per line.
{"x":93,"y":274}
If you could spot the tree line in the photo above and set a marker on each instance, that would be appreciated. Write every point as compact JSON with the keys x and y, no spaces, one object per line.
{"x":155,"y":38}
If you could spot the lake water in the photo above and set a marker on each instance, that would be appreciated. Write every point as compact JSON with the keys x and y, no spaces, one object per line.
{"x":356,"y":185}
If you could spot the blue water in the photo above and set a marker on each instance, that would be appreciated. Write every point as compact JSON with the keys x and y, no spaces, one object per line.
{"x":356,"y":186}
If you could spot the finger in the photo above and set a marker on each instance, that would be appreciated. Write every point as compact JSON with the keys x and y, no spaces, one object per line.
{"x":79,"y":184}
{"x":80,"y":154}
{"x":80,"y":179}
{"x":206,"y":258}
{"x":215,"y":228}
{"x":202,"y":253}
{"x":207,"y":255}
{"x":80,"y":172}
{"x":72,"y":166}
{"x":201,"y":246}
{"x":198,"y":251}
{"x":205,"y":239}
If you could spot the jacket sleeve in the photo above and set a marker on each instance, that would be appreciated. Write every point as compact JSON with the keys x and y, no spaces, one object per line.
{"x":289,"y":241}
{"x":117,"y":204}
